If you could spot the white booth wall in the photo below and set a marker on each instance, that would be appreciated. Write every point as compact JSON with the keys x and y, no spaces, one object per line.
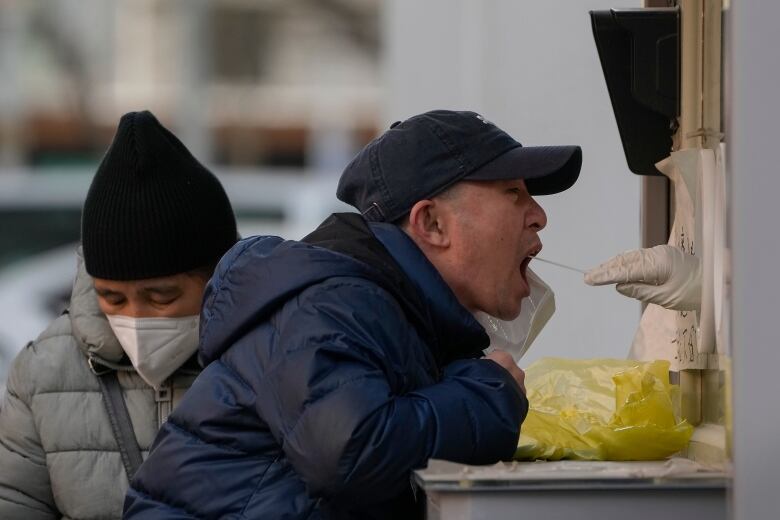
{"x":753,"y":81}
{"x":532,"y":68}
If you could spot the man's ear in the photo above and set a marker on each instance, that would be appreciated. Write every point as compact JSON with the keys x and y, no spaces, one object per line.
{"x":427,"y":225}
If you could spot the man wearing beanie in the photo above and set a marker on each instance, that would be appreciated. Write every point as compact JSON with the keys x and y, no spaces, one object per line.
{"x":340,"y":363}
{"x":86,"y":398}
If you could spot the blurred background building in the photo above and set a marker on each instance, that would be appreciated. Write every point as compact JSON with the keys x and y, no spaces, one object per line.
{"x":276,"y":96}
{"x":244,"y":83}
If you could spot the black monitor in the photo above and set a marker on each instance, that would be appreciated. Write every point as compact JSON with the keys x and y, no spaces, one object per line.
{"x":639,"y":53}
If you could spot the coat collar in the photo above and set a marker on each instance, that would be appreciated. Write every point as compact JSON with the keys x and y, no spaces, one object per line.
{"x":398,"y":265}
{"x":88,"y":323}
{"x":456,"y":329}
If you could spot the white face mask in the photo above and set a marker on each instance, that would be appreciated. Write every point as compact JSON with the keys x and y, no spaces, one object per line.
{"x":156,"y":346}
{"x":517,"y":335}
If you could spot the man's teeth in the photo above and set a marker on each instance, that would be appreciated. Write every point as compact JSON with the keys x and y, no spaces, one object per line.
{"x":529,"y":257}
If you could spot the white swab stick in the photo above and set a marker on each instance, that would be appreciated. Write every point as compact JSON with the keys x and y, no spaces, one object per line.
{"x":560,"y":265}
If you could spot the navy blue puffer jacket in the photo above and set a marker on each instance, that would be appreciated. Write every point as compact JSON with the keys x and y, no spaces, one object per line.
{"x":335,"y":366}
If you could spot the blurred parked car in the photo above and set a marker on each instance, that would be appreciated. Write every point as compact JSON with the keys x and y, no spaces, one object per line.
{"x":40,"y":217}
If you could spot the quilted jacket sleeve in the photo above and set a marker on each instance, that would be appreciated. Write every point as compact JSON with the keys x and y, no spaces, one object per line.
{"x":336,"y":402}
{"x":25,"y":490}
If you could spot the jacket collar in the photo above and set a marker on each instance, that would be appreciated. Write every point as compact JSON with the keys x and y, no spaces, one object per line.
{"x":88,"y":323}
{"x":455,"y":326}
{"x":398,"y":265}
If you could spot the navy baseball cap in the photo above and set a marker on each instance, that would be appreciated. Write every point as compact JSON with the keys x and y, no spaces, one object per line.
{"x":424,"y":155}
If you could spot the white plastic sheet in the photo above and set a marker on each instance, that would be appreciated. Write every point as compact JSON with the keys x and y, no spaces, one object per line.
{"x":517,"y":335}
{"x":679,"y":337}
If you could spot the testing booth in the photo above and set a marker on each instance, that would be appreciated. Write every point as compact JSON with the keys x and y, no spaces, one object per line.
{"x":663,"y":69}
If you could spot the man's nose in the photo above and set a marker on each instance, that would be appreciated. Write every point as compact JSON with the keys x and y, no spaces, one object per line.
{"x":134,"y":309}
{"x":536,"y":218}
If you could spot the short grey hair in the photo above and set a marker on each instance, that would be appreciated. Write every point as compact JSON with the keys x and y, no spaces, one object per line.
{"x":451,"y":192}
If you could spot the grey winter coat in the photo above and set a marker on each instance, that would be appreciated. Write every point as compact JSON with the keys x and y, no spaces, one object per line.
{"x":58,"y":455}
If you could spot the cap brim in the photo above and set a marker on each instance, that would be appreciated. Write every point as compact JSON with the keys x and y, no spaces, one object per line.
{"x":545,"y":169}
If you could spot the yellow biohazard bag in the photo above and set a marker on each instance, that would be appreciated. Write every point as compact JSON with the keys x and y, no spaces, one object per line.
{"x":601,"y":409}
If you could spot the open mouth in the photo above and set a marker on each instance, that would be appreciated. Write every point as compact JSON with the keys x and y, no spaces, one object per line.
{"x":527,"y":260}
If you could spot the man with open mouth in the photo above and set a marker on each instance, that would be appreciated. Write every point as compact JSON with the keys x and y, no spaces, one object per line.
{"x":338,"y":364}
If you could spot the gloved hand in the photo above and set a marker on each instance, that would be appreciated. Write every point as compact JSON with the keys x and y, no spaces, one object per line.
{"x":664,"y":275}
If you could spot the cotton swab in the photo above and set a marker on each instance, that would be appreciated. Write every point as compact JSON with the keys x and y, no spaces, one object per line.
{"x":560,"y":265}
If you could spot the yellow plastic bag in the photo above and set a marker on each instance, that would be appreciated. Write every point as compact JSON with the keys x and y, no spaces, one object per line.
{"x":601,"y":409}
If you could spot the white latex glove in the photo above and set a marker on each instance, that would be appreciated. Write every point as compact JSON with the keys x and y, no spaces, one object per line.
{"x":664,"y":275}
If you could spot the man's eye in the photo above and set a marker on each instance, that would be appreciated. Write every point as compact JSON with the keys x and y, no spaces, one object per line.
{"x":164,"y":300}
{"x":519,"y":193}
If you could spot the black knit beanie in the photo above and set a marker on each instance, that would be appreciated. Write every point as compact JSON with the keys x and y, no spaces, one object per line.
{"x":152,"y":209}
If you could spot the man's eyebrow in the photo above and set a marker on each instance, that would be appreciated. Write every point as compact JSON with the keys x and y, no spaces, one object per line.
{"x":515,"y":184}
{"x":102,"y":291}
